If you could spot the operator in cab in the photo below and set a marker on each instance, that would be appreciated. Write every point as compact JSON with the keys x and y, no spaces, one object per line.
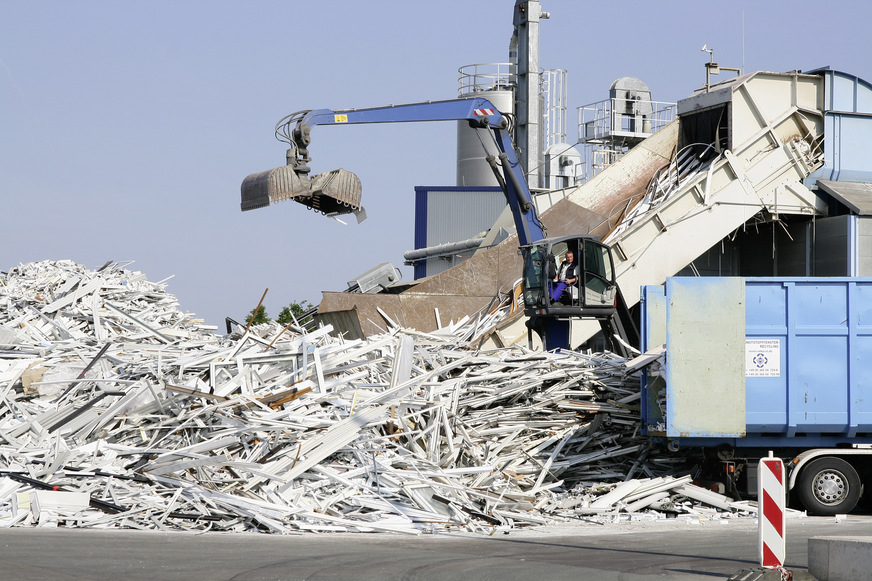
{"x":567,"y":275}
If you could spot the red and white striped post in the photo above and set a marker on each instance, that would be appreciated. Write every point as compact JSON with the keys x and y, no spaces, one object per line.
{"x":771,"y":517}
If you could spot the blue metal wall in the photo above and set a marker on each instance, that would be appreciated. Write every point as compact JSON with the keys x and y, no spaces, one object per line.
{"x":450,"y":214}
{"x":847,"y":127}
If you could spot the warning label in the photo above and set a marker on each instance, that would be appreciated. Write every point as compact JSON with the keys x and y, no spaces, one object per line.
{"x":762,"y":358}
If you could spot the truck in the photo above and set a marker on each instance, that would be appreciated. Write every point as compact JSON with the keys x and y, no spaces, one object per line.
{"x":751,"y":366}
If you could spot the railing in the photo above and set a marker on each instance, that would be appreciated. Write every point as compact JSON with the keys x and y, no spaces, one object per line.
{"x":619,"y":119}
{"x":486,"y":77}
{"x":603,"y":157}
{"x":554,"y":90}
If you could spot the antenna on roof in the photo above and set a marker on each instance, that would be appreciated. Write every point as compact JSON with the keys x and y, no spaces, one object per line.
{"x":713,"y":68}
{"x":743,"y":43}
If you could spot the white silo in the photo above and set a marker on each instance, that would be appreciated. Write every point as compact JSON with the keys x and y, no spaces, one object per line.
{"x":492,"y":81}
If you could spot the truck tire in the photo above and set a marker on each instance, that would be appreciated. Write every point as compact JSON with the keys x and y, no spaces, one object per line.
{"x":829,"y":486}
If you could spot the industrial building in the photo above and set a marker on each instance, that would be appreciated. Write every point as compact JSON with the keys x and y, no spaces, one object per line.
{"x":760,"y":173}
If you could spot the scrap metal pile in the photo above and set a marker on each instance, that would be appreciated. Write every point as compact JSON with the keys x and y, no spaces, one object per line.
{"x":118,"y":409}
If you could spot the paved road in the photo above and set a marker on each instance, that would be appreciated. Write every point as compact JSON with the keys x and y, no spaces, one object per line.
{"x":621,"y":551}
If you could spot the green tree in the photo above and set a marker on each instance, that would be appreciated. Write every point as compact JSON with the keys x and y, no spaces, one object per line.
{"x":257,"y":319}
{"x":298,"y":309}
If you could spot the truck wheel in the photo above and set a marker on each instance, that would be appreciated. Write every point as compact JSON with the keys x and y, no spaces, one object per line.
{"x":829,"y":486}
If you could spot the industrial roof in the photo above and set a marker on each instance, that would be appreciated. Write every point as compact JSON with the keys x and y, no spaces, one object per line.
{"x":857,"y":196}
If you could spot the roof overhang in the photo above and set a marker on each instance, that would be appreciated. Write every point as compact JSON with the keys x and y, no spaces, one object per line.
{"x":856,"y":196}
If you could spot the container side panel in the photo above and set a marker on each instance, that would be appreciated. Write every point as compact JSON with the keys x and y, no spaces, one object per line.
{"x":860,"y":397}
{"x":862,"y":307}
{"x":819,"y":380}
{"x":766,"y":356}
{"x":818,"y":366}
{"x":861,"y":384}
{"x":766,"y":308}
{"x":653,"y":316}
{"x":705,"y":337}
{"x":820,"y":307}
{"x":653,"y":334}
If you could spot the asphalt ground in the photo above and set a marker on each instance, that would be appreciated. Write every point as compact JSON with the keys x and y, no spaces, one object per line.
{"x":631,"y":551}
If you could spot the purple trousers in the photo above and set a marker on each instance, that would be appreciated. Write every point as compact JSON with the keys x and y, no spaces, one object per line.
{"x":557,"y":290}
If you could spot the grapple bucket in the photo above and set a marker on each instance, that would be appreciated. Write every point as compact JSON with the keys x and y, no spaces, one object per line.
{"x":271,"y":186}
{"x":333,"y":192}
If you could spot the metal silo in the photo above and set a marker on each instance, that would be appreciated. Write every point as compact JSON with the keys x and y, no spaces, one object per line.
{"x":492,"y":81}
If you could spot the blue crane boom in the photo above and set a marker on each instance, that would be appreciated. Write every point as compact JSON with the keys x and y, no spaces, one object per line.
{"x":480,"y":113}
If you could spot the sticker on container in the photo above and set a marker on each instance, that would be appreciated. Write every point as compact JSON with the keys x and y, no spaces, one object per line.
{"x":762,"y":358}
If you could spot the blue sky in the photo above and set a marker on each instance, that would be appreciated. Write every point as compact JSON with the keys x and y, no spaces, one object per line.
{"x":126,"y":128}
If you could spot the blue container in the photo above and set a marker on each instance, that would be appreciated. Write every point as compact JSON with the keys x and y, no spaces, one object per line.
{"x":800,"y":375}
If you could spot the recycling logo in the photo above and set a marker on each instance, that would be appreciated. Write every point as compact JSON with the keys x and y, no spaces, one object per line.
{"x":760,"y":360}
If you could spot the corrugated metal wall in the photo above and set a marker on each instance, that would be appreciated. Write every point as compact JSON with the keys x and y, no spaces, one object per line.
{"x":451,"y":214}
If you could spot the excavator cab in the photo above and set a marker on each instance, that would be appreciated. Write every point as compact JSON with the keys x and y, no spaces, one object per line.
{"x":592,"y":295}
{"x":551,"y":306}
